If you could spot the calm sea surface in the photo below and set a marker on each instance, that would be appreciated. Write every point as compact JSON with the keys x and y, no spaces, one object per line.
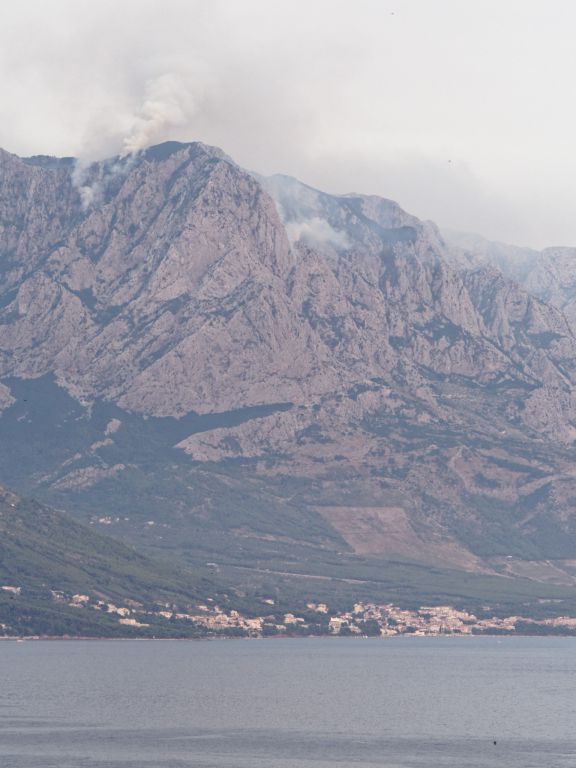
{"x":282,"y":703}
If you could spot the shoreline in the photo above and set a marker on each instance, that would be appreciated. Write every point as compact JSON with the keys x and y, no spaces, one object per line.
{"x":357,"y":638}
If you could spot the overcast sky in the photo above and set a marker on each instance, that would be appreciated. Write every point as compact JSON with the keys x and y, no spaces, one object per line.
{"x":462,"y":111}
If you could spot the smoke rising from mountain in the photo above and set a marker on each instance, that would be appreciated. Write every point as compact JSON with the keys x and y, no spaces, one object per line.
{"x":316,"y":231}
{"x":168,"y":104}
{"x":441,"y":106}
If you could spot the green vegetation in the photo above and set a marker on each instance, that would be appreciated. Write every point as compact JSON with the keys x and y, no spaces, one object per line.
{"x":181,"y":532}
{"x":36,"y":615}
{"x":44,"y":554}
{"x":40,"y":547}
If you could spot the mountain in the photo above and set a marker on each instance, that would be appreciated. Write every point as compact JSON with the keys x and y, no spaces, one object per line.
{"x":60,"y":577}
{"x":304,"y":391}
{"x":547,"y":274}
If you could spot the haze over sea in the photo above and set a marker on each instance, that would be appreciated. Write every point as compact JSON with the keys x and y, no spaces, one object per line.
{"x":283,"y":703}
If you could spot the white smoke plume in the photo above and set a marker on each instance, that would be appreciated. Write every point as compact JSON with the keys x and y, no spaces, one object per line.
{"x":168,"y":104}
{"x":316,"y":231}
{"x":89,"y":193}
{"x":90,"y":179}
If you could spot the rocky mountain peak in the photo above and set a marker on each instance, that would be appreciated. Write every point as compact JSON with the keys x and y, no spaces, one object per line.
{"x":335,"y":340}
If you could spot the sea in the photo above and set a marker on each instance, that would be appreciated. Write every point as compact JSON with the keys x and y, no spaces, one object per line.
{"x":282,"y":703}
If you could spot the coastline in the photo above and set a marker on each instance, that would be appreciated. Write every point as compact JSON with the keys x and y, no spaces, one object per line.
{"x":356,"y":638}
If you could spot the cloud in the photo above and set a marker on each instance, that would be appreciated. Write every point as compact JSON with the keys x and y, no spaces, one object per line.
{"x":442,"y":106}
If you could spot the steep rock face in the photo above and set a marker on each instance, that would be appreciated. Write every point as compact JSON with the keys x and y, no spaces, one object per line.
{"x":549,"y":274}
{"x":38,"y":207}
{"x":133,"y":315}
{"x":271,"y":330}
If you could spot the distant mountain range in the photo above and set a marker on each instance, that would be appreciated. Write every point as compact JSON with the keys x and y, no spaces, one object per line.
{"x":297,"y":391}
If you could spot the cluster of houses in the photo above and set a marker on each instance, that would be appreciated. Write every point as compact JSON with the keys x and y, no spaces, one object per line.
{"x":363,"y":619}
{"x":384,"y":620}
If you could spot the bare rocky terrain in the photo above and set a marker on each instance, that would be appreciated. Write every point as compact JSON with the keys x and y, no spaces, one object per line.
{"x":251,"y":373}
{"x":548,"y":274}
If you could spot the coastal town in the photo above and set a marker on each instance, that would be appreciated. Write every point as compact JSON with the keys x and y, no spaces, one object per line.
{"x":371,"y":620}
{"x":364,"y":619}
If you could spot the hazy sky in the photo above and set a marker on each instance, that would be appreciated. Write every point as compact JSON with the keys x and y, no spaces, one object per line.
{"x":461,"y":110}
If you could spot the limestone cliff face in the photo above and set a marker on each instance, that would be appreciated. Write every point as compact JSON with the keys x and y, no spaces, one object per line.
{"x":174,"y":282}
{"x":548,"y":274}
